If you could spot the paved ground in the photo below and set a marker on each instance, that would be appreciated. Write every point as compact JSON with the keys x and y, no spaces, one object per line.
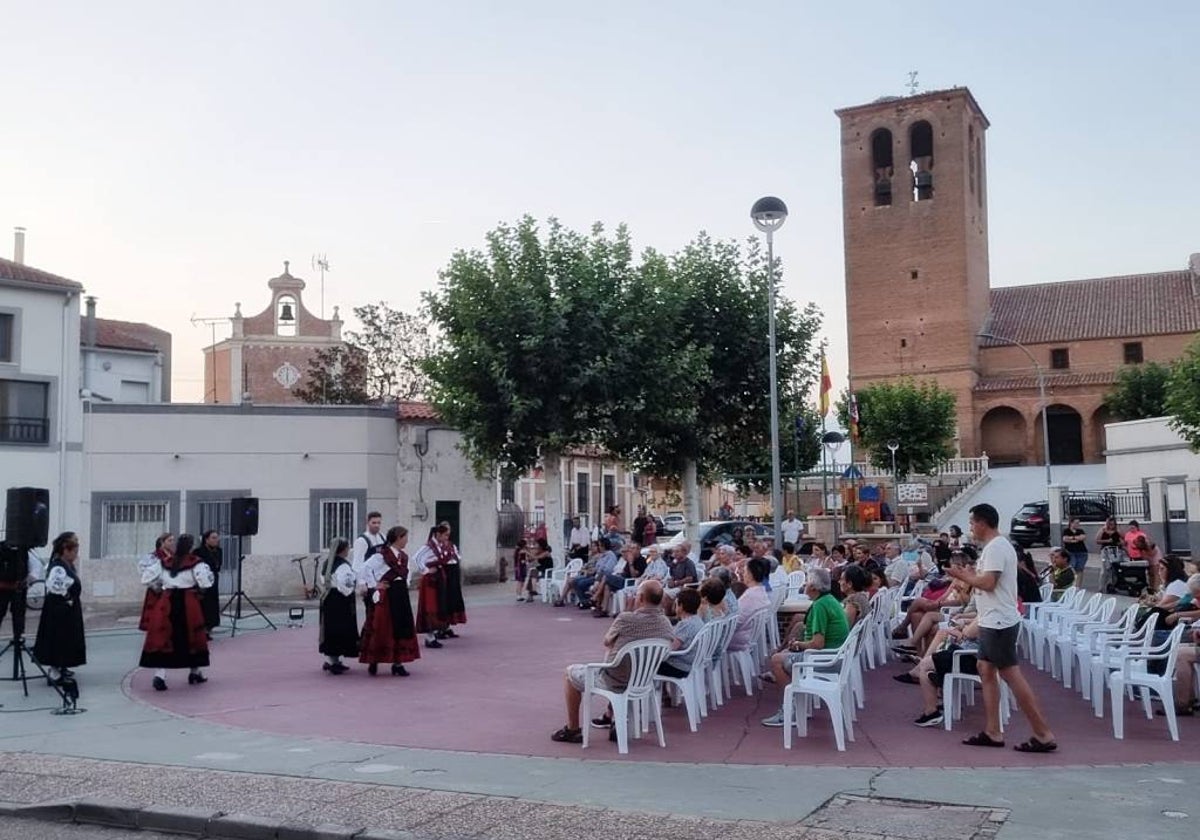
{"x":1074,"y":799}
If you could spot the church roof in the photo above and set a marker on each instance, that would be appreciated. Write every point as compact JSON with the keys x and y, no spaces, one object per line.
{"x":1105,"y":307}
{"x":1053,"y":380}
{"x":23,"y":274}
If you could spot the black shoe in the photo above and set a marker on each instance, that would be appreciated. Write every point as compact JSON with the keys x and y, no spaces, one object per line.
{"x":399,"y":671}
{"x":325,"y":666}
{"x":197,"y":679}
{"x":432,"y":643}
{"x":372,"y":669}
{"x":931,"y":719}
{"x":602,"y":722}
{"x":441,"y":634}
{"x":338,"y":668}
{"x":159,"y":684}
{"x":612,"y":734}
{"x":450,"y":634}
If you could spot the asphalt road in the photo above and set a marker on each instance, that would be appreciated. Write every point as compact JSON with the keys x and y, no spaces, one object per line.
{"x":14,"y":829}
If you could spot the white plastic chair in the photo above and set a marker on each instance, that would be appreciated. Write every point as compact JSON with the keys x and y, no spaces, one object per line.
{"x":956,"y":685}
{"x":747,"y":662}
{"x":778,"y":596}
{"x":644,"y":657}
{"x":1062,"y":638}
{"x":691,"y":687}
{"x":795,"y":584}
{"x":823,"y":675}
{"x":1087,"y":640}
{"x":618,"y":598}
{"x":1112,"y":651}
{"x":1135,"y":673}
{"x":554,"y":583}
{"x":724,"y":630}
{"x":1039,"y":617}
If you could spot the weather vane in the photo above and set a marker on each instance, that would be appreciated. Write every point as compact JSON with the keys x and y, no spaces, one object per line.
{"x":320,"y":263}
{"x":913,"y":84}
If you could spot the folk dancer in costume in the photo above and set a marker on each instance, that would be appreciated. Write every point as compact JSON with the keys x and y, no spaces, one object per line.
{"x":430,"y":561}
{"x":339,"y":618}
{"x":164,"y":549}
{"x":364,"y":547}
{"x":455,"y":607}
{"x":175,"y":633}
{"x":60,"y":645}
{"x":388,"y":635}
{"x":210,"y":552}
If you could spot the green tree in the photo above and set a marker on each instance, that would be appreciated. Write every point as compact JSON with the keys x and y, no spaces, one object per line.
{"x":1139,"y":392}
{"x":1183,"y":395}
{"x":918,"y":416}
{"x":336,"y":375}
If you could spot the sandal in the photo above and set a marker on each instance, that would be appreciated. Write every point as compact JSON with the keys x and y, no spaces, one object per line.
{"x":1033,"y":745}
{"x":566,"y":735}
{"x":984,"y":740}
{"x":907,"y":679}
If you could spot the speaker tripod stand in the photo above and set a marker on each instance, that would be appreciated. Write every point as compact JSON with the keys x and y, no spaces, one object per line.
{"x":239,"y":598}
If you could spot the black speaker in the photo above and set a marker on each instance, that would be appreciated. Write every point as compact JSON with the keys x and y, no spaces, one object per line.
{"x":243,"y":516}
{"x":27,"y":517}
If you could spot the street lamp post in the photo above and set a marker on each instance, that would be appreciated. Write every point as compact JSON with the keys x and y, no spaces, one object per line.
{"x":769,"y":214}
{"x":1041,"y":380}
{"x":892,"y":446}
{"x":832,"y":442}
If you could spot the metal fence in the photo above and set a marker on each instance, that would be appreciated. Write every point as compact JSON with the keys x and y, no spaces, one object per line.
{"x":1124,"y":503}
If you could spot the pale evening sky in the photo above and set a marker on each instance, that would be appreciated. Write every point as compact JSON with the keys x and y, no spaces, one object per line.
{"x":170,"y":156}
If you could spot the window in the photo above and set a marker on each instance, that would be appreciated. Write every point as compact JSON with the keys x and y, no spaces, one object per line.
{"x":339,"y":519}
{"x":24,"y":412}
{"x":609,"y":491}
{"x":134,"y":392}
{"x":1060,"y":358}
{"x":508,"y":490}
{"x":6,"y":336}
{"x":920,"y":144}
{"x":881,"y":166}
{"x":129,"y":528}
{"x":914,"y":274}
{"x":1133,"y":353}
{"x":582,"y":486}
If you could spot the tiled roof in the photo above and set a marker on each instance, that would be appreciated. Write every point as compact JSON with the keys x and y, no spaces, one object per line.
{"x":1053,"y":380}
{"x":1105,"y":307}
{"x":122,"y":335}
{"x":19,"y":273}
{"x":413,"y":410}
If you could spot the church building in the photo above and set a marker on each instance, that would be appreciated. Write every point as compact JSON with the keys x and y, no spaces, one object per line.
{"x":920,"y":304}
{"x":266,"y":358}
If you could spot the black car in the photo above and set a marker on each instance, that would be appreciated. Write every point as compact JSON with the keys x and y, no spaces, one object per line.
{"x":717,"y":532}
{"x":1031,"y":524}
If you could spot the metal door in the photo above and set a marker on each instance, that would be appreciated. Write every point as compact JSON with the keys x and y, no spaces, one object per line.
{"x":1177,"y":519}
{"x":215,"y":515}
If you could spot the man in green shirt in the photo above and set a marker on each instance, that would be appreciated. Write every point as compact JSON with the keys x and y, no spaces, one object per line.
{"x":825,"y":628}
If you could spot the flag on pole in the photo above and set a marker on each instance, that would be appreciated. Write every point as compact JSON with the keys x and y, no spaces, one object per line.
{"x":826,"y":386}
{"x":853,"y":419}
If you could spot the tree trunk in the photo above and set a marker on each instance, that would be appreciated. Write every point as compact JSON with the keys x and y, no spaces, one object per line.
{"x":552,"y":469}
{"x":691,"y":503}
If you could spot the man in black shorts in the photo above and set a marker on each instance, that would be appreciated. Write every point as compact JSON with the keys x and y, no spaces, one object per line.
{"x":995,"y":584}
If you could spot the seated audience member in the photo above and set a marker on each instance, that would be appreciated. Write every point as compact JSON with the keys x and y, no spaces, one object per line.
{"x":1186,"y":608}
{"x":606,"y":565}
{"x":613,"y":583}
{"x":751,"y":602}
{"x":732,"y":588}
{"x":935,"y":597}
{"x":583,"y":582}
{"x":1176,"y":576}
{"x":1028,"y":583}
{"x":1185,"y":675}
{"x":791,"y":562}
{"x":825,"y":627}
{"x":645,"y":621}
{"x":930,"y":672}
{"x":687,"y":607}
{"x":682,"y":572}
{"x":1059,"y":573}
{"x":713,"y":592}
{"x":854,"y":595}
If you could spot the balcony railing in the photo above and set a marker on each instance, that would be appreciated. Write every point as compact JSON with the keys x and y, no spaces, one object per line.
{"x":24,"y":430}
{"x":952,"y":467}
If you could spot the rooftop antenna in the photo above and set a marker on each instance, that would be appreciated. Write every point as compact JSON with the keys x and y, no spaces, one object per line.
{"x":212,"y":323}
{"x":320,"y":262}
{"x":913,"y":84}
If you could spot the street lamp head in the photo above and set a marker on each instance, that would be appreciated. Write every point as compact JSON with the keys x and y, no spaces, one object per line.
{"x":768,"y":213}
{"x":893,"y":445}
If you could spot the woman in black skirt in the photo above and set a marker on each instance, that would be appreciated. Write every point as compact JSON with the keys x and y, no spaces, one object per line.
{"x":60,"y":644}
{"x":210,"y":552}
{"x":339,"y":621}
{"x":456,"y":608}
{"x":174,"y":621}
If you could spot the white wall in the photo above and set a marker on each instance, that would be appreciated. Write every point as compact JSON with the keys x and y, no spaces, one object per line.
{"x":47,"y":350}
{"x":443,"y":474}
{"x":1141,"y":449}
{"x":106,"y":369}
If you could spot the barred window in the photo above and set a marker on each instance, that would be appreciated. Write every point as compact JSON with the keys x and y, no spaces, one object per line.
{"x":129,"y":528}
{"x":339,"y":518}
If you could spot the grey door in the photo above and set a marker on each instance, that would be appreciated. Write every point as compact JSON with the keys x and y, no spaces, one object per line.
{"x":215,"y":515}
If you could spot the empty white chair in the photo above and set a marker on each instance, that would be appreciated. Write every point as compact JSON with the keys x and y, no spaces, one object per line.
{"x":724,"y":629}
{"x":956,"y":684}
{"x":823,"y":675}
{"x":747,"y":662}
{"x":795,"y":584}
{"x":644,"y":657}
{"x":1063,"y":637}
{"x":1135,"y":673}
{"x":1087,"y":639}
{"x":1112,"y":651}
{"x":554,"y":583}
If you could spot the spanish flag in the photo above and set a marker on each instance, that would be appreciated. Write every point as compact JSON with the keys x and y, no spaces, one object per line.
{"x":826,"y":385}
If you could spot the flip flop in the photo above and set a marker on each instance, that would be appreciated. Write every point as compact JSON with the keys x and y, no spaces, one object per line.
{"x":1033,"y":745}
{"x":984,"y":740}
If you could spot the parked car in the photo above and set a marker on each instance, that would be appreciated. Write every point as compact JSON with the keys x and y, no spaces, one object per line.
{"x":674,"y":522}
{"x":1031,"y":524}
{"x":714,"y":533}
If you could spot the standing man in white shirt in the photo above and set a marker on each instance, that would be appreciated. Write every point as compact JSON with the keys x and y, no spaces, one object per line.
{"x":366,"y":544}
{"x":578,"y":541}
{"x":995,"y":584}
{"x":791,"y":528}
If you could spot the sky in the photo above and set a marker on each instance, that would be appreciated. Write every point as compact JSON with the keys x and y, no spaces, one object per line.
{"x":170,"y":156}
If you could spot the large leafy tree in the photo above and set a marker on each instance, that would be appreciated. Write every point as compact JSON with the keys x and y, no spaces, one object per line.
{"x":380,"y":361}
{"x":1139,"y":392}
{"x":918,"y":416}
{"x":1183,"y":395}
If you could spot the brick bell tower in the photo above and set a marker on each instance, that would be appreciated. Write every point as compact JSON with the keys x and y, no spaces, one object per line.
{"x":914,"y":207}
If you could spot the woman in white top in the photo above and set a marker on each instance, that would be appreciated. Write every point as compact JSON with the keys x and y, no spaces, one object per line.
{"x":60,"y":644}
{"x":339,"y":619}
{"x":175,"y":631}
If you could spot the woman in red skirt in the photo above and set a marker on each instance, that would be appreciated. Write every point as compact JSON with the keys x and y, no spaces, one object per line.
{"x":388,"y":635}
{"x":432,"y":618}
{"x":176,"y":636}
{"x":455,"y":609}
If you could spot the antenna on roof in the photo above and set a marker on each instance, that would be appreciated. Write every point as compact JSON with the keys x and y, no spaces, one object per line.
{"x":320,"y":262}
{"x":913,"y":84}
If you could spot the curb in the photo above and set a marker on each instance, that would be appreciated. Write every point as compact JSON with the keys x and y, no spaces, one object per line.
{"x":194,"y":822}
